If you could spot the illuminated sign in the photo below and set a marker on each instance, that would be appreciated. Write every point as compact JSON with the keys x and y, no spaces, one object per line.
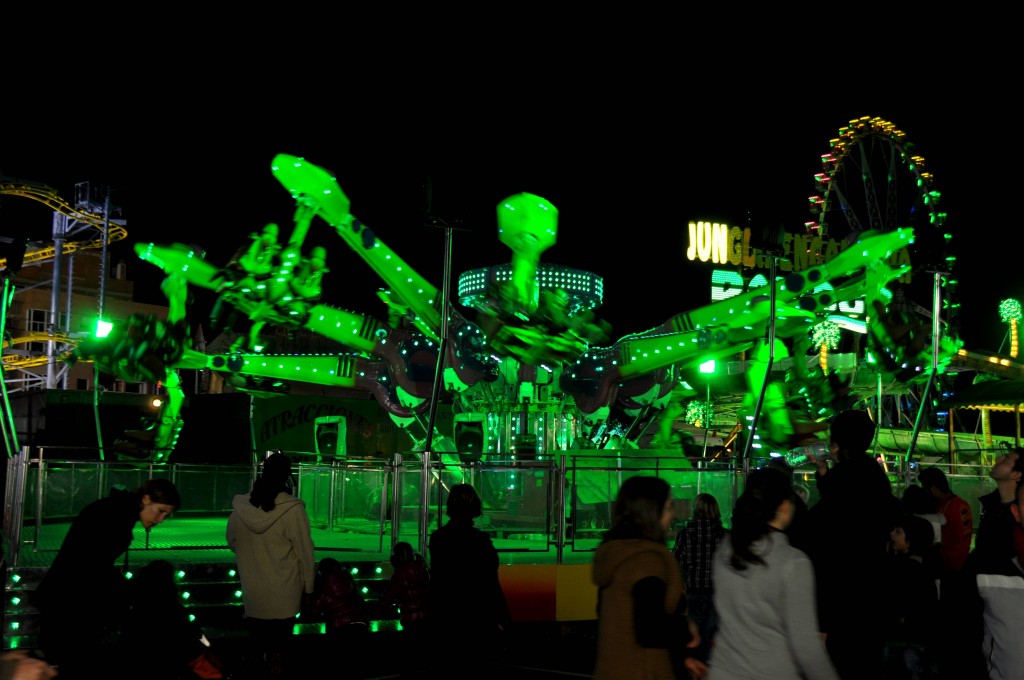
{"x":721,"y":244}
{"x":724,"y":245}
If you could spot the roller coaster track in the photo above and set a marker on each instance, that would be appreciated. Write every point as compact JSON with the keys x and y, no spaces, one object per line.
{"x":48,"y":197}
{"x":20,"y":361}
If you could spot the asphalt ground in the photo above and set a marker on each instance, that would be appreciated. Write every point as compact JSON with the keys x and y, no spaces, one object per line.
{"x":533,"y":650}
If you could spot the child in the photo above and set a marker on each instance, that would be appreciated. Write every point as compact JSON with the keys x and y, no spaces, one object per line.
{"x":914,"y":598}
{"x":158,"y":634}
{"x":338,"y":601}
{"x":408,"y":592}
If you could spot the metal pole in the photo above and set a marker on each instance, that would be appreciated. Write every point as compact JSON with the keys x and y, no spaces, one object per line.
{"x":936,"y":333}
{"x":434,"y":397}
{"x":59,"y":231}
{"x":768,"y":369}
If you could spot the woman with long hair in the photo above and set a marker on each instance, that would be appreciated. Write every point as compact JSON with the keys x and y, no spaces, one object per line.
{"x":268,"y":530}
{"x":764,"y":592}
{"x":643,"y":631}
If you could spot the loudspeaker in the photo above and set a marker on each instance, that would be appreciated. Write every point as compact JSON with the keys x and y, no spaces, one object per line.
{"x":330,"y":433}
{"x":469,"y":436}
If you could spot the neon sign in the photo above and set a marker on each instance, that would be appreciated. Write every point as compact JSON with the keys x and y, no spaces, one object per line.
{"x":722,"y":244}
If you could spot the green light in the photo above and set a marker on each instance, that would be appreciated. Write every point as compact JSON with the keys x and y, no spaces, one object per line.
{"x":708,"y":366}
{"x":103,"y":328}
{"x":238,"y":594}
{"x":15,"y":600}
{"x":15,"y":625}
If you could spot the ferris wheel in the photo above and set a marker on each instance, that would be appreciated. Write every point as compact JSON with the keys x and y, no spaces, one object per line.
{"x":873,"y":179}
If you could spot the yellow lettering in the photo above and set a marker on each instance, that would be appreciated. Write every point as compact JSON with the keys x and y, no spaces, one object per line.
{"x":735,"y":245}
{"x":720,"y":243}
{"x":704,"y":241}
{"x":749,"y":258}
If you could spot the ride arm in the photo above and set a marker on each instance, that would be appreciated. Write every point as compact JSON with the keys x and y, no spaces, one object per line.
{"x":306,"y":181}
{"x":336,"y":370}
{"x":729,"y":326}
{"x":169,"y":421}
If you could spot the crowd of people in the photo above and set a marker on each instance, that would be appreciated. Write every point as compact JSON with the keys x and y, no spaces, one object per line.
{"x":860,"y":583}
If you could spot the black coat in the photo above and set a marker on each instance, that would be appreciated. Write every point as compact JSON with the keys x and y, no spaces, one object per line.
{"x":83,"y":579}
{"x":466,"y":592}
{"x":847,"y":540}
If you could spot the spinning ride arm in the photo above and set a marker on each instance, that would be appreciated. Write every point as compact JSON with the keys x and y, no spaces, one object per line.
{"x":314,"y":185}
{"x":729,"y":326}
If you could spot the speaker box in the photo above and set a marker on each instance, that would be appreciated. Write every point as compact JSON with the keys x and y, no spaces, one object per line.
{"x":330,"y":432}
{"x":470,"y":439}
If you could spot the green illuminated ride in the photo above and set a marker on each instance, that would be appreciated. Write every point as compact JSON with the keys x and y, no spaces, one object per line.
{"x":530,"y":372}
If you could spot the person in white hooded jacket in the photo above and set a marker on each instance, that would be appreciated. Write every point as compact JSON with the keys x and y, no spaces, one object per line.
{"x":268,"y":530}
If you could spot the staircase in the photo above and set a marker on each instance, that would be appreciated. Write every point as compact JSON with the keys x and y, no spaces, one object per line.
{"x":209,"y":590}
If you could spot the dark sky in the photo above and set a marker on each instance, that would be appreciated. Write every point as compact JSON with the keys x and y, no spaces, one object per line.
{"x":627,"y":172}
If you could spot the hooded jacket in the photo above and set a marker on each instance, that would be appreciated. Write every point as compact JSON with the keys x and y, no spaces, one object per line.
{"x":274,"y":553}
{"x":619,"y":565}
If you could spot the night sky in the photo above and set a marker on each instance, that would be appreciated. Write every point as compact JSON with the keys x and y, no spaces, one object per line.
{"x":627,"y":174}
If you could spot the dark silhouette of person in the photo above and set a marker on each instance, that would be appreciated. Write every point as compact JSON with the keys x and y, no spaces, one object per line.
{"x":408,"y":596}
{"x":337,"y":599}
{"x":83,"y":598}
{"x":159,"y":636}
{"x":914,"y":599}
{"x":799,"y":529}
{"x":954,"y":577}
{"x":996,"y":524}
{"x":470,"y":605}
{"x":849,"y":527}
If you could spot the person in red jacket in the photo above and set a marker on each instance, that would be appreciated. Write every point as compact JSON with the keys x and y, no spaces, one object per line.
{"x":408,"y":595}
{"x":958,"y":530}
{"x":955,"y":578}
{"x":337,"y":599}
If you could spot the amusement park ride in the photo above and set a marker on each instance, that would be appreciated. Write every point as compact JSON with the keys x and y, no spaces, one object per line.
{"x":527,"y":367}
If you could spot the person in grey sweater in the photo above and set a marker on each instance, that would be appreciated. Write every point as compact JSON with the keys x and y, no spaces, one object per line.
{"x":268,"y":530}
{"x":764,"y":592}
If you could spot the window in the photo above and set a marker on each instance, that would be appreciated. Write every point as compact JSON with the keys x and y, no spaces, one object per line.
{"x":39,"y":322}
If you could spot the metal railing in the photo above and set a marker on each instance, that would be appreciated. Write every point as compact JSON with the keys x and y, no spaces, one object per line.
{"x":560,"y":505}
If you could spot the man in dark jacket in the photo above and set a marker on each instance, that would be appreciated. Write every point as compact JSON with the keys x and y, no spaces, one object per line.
{"x":83,"y":597}
{"x":848,"y":538}
{"x":995,"y":527}
{"x":999,"y":579}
